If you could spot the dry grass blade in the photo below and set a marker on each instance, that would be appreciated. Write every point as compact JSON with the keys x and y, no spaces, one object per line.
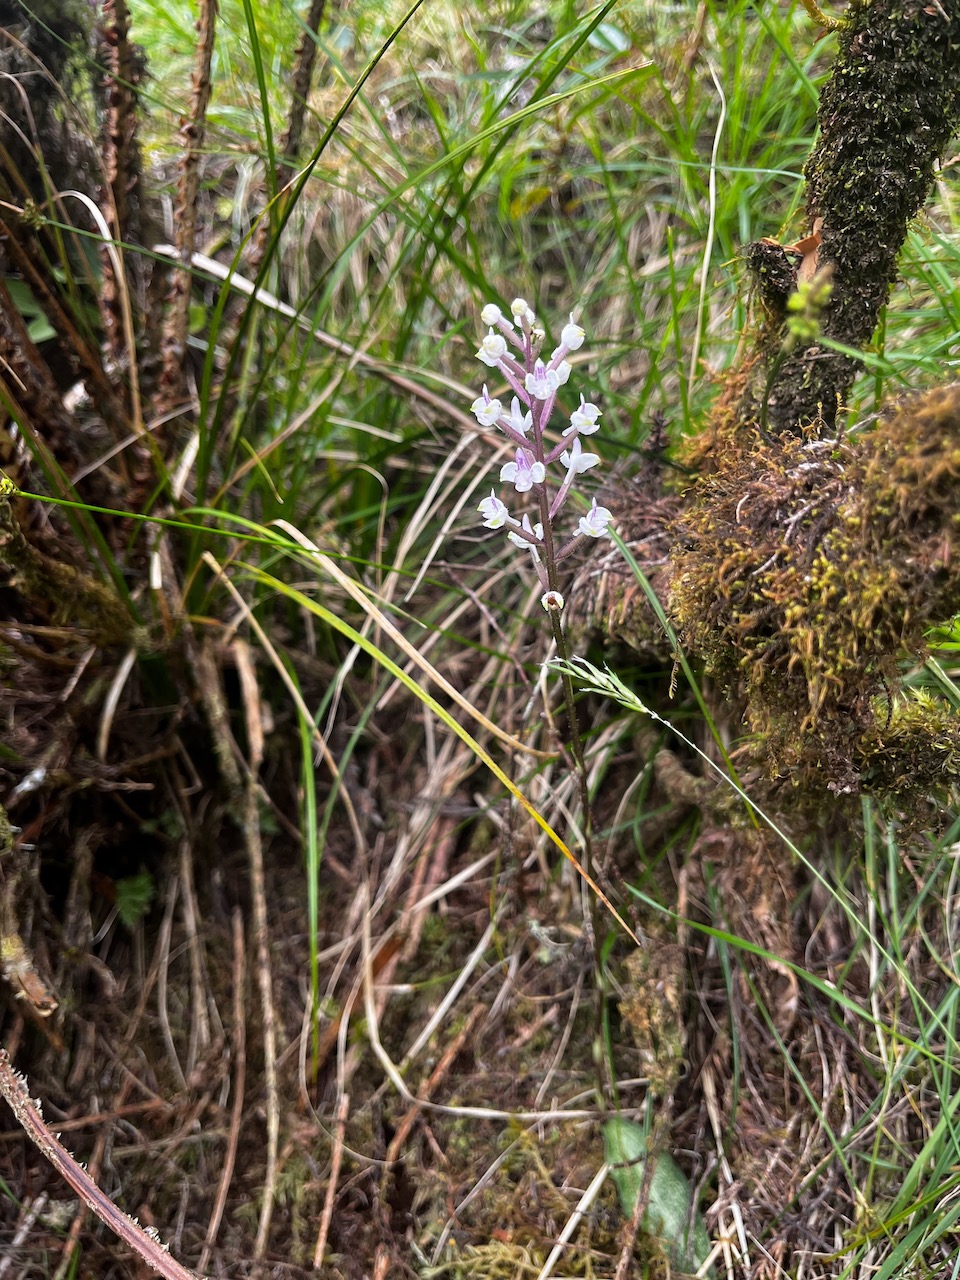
{"x":570,"y":1226}
{"x":356,"y":593}
{"x":343,"y":1110}
{"x":113,"y":254}
{"x":112,"y":700}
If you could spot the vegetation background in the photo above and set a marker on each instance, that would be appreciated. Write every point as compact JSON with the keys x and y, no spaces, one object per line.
{"x":292,"y":970}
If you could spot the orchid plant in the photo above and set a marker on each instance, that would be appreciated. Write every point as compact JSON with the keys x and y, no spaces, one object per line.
{"x":512,"y":347}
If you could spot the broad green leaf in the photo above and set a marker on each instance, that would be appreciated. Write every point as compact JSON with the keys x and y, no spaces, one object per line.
{"x":668,"y":1213}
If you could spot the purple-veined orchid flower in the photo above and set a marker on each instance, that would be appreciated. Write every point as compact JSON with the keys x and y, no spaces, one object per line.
{"x":594,"y":523}
{"x":487,"y":411}
{"x":494,"y":512}
{"x":524,"y":473}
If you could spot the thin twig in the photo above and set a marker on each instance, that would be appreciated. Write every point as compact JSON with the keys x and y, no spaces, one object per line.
{"x":239,"y":1079}
{"x":343,"y":1110}
{"x":261,"y":938}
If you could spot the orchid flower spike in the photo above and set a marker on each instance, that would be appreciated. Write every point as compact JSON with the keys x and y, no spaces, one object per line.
{"x":536,"y":384}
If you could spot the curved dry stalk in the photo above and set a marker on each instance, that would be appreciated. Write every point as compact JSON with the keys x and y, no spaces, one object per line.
{"x":27,"y":1112}
{"x":113,"y":254}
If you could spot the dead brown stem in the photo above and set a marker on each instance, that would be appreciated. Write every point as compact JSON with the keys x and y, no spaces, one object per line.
{"x":261,"y":932}
{"x":192,"y":134}
{"x":121,"y":160}
{"x":27,"y":1112}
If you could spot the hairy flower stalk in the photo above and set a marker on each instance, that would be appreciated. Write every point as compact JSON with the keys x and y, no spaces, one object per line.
{"x":543,"y":472}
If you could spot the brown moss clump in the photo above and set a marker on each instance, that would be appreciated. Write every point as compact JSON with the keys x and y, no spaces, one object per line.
{"x":807,"y":567}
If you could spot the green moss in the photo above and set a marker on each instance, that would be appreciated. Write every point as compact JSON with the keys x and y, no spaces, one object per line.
{"x":913,"y":746}
{"x":62,"y":592}
{"x":806,"y":568}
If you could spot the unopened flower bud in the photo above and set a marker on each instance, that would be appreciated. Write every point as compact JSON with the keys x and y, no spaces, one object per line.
{"x":491,"y":314}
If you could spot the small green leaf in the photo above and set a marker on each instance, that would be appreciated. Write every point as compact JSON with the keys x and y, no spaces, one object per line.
{"x":41,"y":330}
{"x":134,"y":895}
{"x":668,"y":1211}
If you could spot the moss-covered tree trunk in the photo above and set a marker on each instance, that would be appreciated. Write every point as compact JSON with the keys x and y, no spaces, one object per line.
{"x":886,"y":115}
{"x":801,"y":563}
